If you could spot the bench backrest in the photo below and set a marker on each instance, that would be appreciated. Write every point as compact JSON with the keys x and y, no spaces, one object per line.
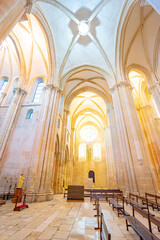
{"x":131,"y":195}
{"x":105,"y":190}
{"x":119,"y":197}
{"x":140,"y":211}
{"x":104,"y":234}
{"x":150,"y":195}
{"x":154,"y":220}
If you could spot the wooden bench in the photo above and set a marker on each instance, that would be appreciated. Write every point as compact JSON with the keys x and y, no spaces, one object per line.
{"x":104,"y":233}
{"x":153,"y":202}
{"x":143,"y":232}
{"x":116,"y":205}
{"x":132,"y":202}
{"x":101,"y":225}
{"x":104,"y":193}
{"x":2,"y":202}
{"x":22,"y":206}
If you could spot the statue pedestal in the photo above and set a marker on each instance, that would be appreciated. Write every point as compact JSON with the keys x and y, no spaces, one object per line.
{"x":89,"y":183}
{"x":18,"y":192}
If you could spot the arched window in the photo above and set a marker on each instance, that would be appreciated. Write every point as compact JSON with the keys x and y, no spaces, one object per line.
{"x":29,"y":114}
{"x":3,"y":85}
{"x":38,"y":92}
{"x":91,"y":174}
{"x":97,"y":152}
{"x":61,"y":104}
{"x":88,"y":133}
{"x":68,"y":122}
{"x":82,"y":152}
{"x":14,"y":85}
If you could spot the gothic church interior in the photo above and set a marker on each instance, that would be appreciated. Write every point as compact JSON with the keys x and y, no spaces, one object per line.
{"x":79,"y":92}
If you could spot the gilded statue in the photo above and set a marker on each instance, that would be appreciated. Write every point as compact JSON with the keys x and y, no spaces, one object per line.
{"x":21,"y":181}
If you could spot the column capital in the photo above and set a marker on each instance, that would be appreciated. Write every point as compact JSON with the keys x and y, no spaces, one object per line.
{"x":28,"y":8}
{"x":143,"y":107}
{"x":52,"y":87}
{"x":67,"y":111}
{"x":48,"y":86}
{"x":59,"y":90}
{"x":155,"y":84}
{"x":19,"y":91}
{"x":121,"y":84}
{"x":3,"y":94}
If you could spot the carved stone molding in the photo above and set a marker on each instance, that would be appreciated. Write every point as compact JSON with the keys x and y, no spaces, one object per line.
{"x":153,"y":85}
{"x":143,"y":107}
{"x":28,"y":8}
{"x":121,"y":84}
{"x":48,"y":86}
{"x":19,"y":91}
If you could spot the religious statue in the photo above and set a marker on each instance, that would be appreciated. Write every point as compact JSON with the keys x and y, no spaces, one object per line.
{"x":21,"y":181}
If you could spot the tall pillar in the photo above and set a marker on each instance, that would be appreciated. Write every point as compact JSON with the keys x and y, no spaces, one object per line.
{"x":41,"y":165}
{"x":10,"y":13}
{"x":63,"y":145}
{"x":50,"y":149}
{"x":154,"y":89}
{"x":152,"y":138}
{"x":2,"y":96}
{"x":10,"y":117}
{"x":71,"y":154}
{"x":115,"y":147}
{"x":137,"y":169}
{"x":111,"y":173}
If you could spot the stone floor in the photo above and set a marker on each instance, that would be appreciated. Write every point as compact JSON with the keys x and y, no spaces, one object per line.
{"x":63,"y":220}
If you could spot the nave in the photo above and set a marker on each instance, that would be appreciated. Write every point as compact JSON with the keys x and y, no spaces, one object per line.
{"x":58,"y":219}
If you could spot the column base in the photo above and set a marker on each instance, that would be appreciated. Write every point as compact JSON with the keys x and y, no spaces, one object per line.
{"x":39,"y":197}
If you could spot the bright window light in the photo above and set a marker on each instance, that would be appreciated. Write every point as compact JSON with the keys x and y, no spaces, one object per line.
{"x":38,"y":92}
{"x":88,"y":133}
{"x":4,"y":84}
{"x":97,"y":151}
{"x":82,"y":152}
{"x":83,"y":27}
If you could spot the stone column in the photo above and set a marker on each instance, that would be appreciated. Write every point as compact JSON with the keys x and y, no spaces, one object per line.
{"x":43,"y":149}
{"x":152,"y":137}
{"x":115,"y":147}
{"x":10,"y":13}
{"x":2,"y":96}
{"x":71,"y":154}
{"x":154,"y":89}
{"x":10,"y":116}
{"x":63,"y":145}
{"x":50,"y":149}
{"x":111,"y":175}
{"x":138,"y":173}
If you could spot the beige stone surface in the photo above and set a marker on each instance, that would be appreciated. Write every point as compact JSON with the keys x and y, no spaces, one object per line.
{"x":108,"y":79}
{"x":59,"y":219}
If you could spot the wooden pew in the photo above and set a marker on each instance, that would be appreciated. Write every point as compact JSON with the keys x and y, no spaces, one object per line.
{"x":153,"y":202}
{"x":116,"y":205}
{"x":104,"y":193}
{"x":2,"y":202}
{"x":135,"y":202}
{"x":101,"y":225}
{"x":143,"y":232}
{"x":104,"y":233}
